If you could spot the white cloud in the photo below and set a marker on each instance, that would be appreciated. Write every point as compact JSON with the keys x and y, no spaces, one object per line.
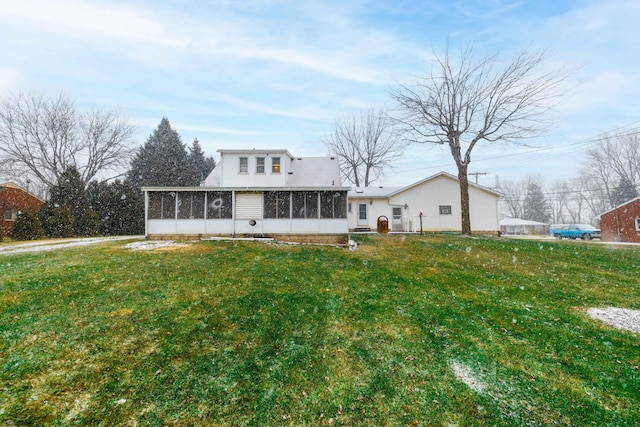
{"x":85,"y":19}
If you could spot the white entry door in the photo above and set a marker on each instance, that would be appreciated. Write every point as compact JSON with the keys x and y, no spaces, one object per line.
{"x":396,"y":221}
{"x":363,"y":217}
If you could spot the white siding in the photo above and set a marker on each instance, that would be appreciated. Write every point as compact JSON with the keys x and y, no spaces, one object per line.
{"x":248,"y":206}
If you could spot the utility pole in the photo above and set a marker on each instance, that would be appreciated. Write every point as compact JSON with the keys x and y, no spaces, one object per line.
{"x":477,"y":174}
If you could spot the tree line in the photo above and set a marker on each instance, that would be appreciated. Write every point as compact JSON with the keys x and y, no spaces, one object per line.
{"x":58,"y":150}
{"x":609,"y":177}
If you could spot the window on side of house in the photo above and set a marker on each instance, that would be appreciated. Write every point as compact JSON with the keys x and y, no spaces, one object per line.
{"x":276,"y":204}
{"x":259,"y":164}
{"x":8,"y":214}
{"x":219,"y":204}
{"x":244,"y":165}
{"x":445,"y":209}
{"x":275,"y":165}
{"x":638,"y":224}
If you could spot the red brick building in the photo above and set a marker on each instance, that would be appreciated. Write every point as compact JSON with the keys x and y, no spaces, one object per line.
{"x":12,"y":199}
{"x":622,"y":223}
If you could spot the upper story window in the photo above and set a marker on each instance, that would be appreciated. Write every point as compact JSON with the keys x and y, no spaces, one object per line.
{"x":275,"y":165}
{"x":244,"y":165}
{"x":259,"y":164}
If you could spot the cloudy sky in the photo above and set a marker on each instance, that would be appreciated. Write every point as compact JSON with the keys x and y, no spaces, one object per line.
{"x":278,"y":73}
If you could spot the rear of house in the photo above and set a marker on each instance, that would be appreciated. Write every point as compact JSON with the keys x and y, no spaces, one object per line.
{"x":259,"y":193}
{"x":622,"y":223}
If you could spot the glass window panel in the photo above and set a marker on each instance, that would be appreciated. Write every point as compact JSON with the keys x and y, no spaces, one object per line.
{"x":244,"y":164}
{"x":259,"y":164}
{"x":275,"y":165}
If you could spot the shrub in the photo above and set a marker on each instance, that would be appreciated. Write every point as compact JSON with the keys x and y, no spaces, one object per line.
{"x":57,"y":221}
{"x":27,"y":225}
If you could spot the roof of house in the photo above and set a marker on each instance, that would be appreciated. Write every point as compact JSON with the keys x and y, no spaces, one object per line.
{"x":620,"y":205}
{"x":518,"y":221}
{"x":384,"y":192}
{"x":17,"y":187}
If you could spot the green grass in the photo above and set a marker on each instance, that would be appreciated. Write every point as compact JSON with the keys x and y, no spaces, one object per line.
{"x":245,"y":333}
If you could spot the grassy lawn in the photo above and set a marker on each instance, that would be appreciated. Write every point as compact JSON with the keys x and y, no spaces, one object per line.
{"x":405,"y":330}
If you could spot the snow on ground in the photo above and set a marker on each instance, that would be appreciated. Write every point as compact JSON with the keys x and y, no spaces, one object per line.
{"x":154,"y":244}
{"x":620,"y":318}
{"x":49,"y":245}
{"x":467,"y":376}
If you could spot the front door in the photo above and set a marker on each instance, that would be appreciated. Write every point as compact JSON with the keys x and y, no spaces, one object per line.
{"x":396,"y":221}
{"x":363,"y":219}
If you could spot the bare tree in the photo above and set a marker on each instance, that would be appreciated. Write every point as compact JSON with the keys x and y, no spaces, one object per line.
{"x":577,"y":201}
{"x":41,"y":137}
{"x":366,"y":145}
{"x":466,"y":101}
{"x":613,"y":160}
{"x":513,"y":196}
{"x":559,"y":198}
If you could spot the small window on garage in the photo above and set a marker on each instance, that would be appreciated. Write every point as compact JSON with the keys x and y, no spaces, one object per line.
{"x":445,"y":209}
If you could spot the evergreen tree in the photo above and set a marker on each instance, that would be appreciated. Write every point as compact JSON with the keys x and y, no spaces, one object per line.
{"x":624,"y":191}
{"x":57,"y":220}
{"x":536,"y":207}
{"x":162,"y":160}
{"x":27,"y":225}
{"x":119,"y":207}
{"x":69,"y":193}
{"x":201,"y":166}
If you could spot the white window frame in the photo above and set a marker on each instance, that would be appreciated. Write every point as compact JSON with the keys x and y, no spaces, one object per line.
{"x":243,"y":165}
{"x":275,"y":165}
{"x":444,"y":209}
{"x":260,"y":161}
{"x":638,"y":223}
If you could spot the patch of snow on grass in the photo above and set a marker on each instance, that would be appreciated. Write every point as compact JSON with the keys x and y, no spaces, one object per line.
{"x":153,"y":244}
{"x":620,"y":318}
{"x":467,"y":376}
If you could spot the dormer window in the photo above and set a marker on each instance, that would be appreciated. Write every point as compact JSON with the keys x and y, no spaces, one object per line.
{"x":244,"y":165}
{"x":275,"y":165}
{"x":259,"y":164}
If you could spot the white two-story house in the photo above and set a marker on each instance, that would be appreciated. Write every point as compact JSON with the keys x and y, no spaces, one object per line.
{"x":263,"y":193}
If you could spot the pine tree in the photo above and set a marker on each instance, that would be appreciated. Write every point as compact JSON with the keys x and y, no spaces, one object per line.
{"x":162,"y":160}
{"x":119,"y":207}
{"x":536,"y":207}
{"x":69,"y":193}
{"x":624,"y":191}
{"x":201,"y":166}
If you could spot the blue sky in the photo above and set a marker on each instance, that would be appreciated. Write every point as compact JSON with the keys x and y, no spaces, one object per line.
{"x":278,"y":73}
